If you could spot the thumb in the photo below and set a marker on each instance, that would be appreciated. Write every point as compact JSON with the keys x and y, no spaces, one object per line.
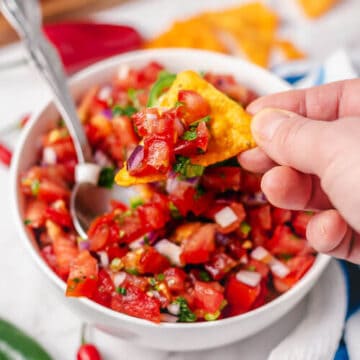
{"x":292,"y":140}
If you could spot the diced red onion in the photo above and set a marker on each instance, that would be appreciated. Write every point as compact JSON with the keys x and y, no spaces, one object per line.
{"x":119,"y":278}
{"x":107,"y":113}
{"x":104,"y":93}
{"x":250,"y":278}
{"x":138,"y":243}
{"x":49,"y":156}
{"x":104,"y":258}
{"x":225,"y":217}
{"x":278,"y":268}
{"x":152,"y":237}
{"x":168,"y":318}
{"x":123,"y":72}
{"x":257,"y":198}
{"x":135,"y":158}
{"x":83,"y":245}
{"x":173,"y":309}
{"x":179,"y":127}
{"x":87,"y":173}
{"x":170,"y":250}
{"x":102,"y":159}
{"x":261,"y":254}
{"x":222,"y":239}
{"x":174,"y":183}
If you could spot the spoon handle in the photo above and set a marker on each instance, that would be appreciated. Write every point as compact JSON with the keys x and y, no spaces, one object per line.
{"x":25,"y":17}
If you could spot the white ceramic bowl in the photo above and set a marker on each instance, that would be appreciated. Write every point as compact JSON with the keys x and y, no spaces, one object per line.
{"x":177,"y":337}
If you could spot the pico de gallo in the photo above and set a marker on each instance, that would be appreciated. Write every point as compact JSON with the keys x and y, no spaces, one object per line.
{"x":202,"y":245}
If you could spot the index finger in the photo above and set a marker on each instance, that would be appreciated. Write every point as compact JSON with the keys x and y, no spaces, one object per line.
{"x":325,"y":102}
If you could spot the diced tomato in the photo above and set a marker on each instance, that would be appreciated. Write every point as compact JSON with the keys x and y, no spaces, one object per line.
{"x":236,"y":248}
{"x":258,"y":266}
{"x":239,"y":211}
{"x":175,"y":279}
{"x":194,"y":106}
{"x":219,"y":265}
{"x":157,"y":153}
{"x":208,"y":297}
{"x":64,"y":150}
{"x":222,"y":178}
{"x":280,"y":216}
{"x":199,"y":246}
{"x":136,"y":303}
{"x":118,"y":205}
{"x":152,"y":262}
{"x":115,"y":251}
{"x":239,"y":295}
{"x":261,"y":299}
{"x":48,"y":255}
{"x":34,"y":213}
{"x":183,"y":197}
{"x":50,"y":191}
{"x":284,"y":241}
{"x":99,"y":233}
{"x":185,"y":231}
{"x":147,"y":122}
{"x":130,"y":228}
{"x":104,"y":289}
{"x":250,"y":182}
{"x":153,"y":216}
{"x":124,"y":130}
{"x":133,"y":280}
{"x":261,"y":216}
{"x":298,"y":266}
{"x":300,"y":221}
{"x":60,"y":216}
{"x":259,"y":236}
{"x":83,"y":275}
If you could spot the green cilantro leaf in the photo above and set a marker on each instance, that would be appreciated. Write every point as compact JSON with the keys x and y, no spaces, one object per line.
{"x":121,"y":290}
{"x":185,"y":315}
{"x":136,"y":202}
{"x":129,"y":110}
{"x":184,"y":167}
{"x":204,"y":276}
{"x":190,"y":135}
{"x":106,"y":178}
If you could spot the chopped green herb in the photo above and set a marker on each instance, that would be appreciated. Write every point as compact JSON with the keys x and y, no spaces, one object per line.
{"x":308,"y":212}
{"x":212,"y":317}
{"x":205,"y":119}
{"x":27,"y":222}
{"x":35,"y":187}
{"x":285,"y":256}
{"x":132,"y":271}
{"x":106,"y":177}
{"x":136,"y":202}
{"x":251,"y":268}
{"x":121,"y":217}
{"x":200,"y":191}
{"x":185,"y":315}
{"x":160,"y":277}
{"x":163,"y":82}
{"x":121,"y":290}
{"x":174,"y":211}
{"x":146,"y":240}
{"x":129,"y":110}
{"x":178,"y":103}
{"x":190,"y":135}
{"x":61,"y":123}
{"x":152,"y":281}
{"x":184,"y":167}
{"x":204,"y":276}
{"x":245,"y":228}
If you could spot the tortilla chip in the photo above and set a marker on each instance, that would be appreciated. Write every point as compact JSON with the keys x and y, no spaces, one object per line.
{"x":316,"y":8}
{"x":123,"y":178}
{"x":229,"y":124}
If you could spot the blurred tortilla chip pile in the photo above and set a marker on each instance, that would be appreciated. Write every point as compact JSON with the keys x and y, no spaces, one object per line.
{"x":248,"y":30}
{"x":316,"y":8}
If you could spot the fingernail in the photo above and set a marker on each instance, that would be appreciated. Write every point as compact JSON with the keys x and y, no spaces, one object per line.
{"x":265,"y":123}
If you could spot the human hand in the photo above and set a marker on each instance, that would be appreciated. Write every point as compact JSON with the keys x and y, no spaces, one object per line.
{"x":310,"y":154}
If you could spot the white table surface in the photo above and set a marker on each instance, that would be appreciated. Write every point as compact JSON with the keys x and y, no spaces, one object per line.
{"x":24,"y":294}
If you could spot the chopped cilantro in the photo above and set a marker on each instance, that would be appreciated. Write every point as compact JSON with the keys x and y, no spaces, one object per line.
{"x":146,"y":240}
{"x":309,"y":212}
{"x":132,"y":271}
{"x":152,"y":281}
{"x":129,"y":110}
{"x":174,"y":211}
{"x":251,"y":268}
{"x":35,"y":187}
{"x":160,"y":277}
{"x":184,"y":167}
{"x":212,"y":317}
{"x":200,"y":191}
{"x":285,"y":256}
{"x":205,"y":119}
{"x":190,"y":135}
{"x":106,"y":177}
{"x":245,"y":228}
{"x":27,"y":222}
{"x":204,"y":276}
{"x":121,"y":217}
{"x":136,"y":202}
{"x":185,"y":315}
{"x":178,"y":103}
{"x":121,"y":290}
{"x":61,"y":123}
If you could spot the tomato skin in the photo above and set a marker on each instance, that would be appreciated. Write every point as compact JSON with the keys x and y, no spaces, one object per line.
{"x":152,"y":262}
{"x":88,"y":352}
{"x":104,"y":289}
{"x":64,"y":150}
{"x":99,"y":233}
{"x":240,"y":296}
{"x":115,"y":251}
{"x":219,"y":265}
{"x":175,"y":279}
{"x":194,"y":106}
{"x":137,"y":303}
{"x":59,"y":216}
{"x":124,"y":130}
{"x":222,"y":178}
{"x":48,"y":255}
{"x":260,"y":267}
{"x":82,"y":280}
{"x":35,"y":210}
{"x":300,"y":221}
{"x":261,"y":216}
{"x":239,"y":211}
{"x":250,"y":182}
{"x":298,"y":265}
{"x":207,"y":296}
{"x":152,"y":216}
{"x":199,"y":246}
{"x":280,"y":216}
{"x":284,"y":241}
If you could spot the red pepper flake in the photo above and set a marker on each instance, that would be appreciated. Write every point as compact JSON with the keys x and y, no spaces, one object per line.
{"x":5,"y":155}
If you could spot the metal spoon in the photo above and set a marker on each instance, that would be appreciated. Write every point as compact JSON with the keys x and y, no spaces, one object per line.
{"x":87,"y":199}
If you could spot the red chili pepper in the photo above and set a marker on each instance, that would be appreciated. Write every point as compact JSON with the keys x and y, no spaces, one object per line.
{"x":88,"y":352}
{"x":81,"y":44}
{"x":5,"y":155}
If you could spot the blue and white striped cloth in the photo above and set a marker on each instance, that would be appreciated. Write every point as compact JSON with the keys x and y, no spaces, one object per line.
{"x":301,"y":75}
